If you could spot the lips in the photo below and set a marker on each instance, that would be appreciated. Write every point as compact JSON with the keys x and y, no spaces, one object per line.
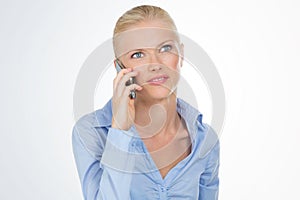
{"x":158,"y":79}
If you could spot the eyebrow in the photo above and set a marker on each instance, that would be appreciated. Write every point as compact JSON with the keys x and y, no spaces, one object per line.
{"x":171,"y":40}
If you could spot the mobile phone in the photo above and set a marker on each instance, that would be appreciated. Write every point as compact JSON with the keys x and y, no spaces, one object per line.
{"x":119,"y":67}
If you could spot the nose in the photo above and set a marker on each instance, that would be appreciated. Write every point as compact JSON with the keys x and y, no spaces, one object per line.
{"x":154,"y":63}
{"x":154,"y":67}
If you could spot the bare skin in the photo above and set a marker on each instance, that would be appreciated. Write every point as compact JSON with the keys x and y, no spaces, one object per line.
{"x":167,"y":149}
{"x":172,"y":143}
{"x":153,"y":112}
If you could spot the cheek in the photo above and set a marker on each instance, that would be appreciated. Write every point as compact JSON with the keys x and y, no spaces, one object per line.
{"x":171,"y":61}
{"x":173,"y":65}
{"x":174,"y":77}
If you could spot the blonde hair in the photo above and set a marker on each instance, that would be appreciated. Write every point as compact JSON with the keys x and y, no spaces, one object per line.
{"x":139,"y":14}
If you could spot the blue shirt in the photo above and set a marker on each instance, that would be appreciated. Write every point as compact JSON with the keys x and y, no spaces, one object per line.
{"x":114,"y":164}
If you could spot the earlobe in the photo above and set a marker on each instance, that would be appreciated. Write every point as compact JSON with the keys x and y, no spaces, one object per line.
{"x":115,"y":62}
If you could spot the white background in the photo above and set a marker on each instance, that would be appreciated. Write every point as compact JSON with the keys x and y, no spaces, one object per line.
{"x":254,"y":44}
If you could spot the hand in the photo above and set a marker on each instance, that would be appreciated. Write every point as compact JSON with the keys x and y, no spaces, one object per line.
{"x":122,"y":106}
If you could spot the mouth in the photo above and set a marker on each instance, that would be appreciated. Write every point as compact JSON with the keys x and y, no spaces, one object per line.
{"x":157,"y":80}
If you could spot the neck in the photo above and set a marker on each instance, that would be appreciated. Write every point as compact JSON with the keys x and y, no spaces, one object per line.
{"x":157,"y":117}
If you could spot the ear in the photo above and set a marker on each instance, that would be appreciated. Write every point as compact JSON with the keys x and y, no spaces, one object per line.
{"x":115,"y":63}
{"x":181,"y":55}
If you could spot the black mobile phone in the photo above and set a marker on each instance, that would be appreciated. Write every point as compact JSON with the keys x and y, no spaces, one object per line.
{"x":119,"y":67}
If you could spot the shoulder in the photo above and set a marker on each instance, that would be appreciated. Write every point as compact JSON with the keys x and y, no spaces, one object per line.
{"x":90,"y":131}
{"x":96,"y":119}
{"x":210,"y":144}
{"x":86,"y":121}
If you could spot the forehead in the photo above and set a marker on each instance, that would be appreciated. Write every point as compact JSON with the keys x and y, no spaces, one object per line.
{"x":142,"y":37}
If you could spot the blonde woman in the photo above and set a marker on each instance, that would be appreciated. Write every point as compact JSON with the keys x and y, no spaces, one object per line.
{"x":145,"y":142}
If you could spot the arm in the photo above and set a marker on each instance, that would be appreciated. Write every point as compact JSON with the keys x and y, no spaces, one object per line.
{"x":97,"y":152}
{"x":87,"y":150}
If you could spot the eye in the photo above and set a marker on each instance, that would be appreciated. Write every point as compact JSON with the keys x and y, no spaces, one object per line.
{"x":137,"y":55}
{"x":165,"y":48}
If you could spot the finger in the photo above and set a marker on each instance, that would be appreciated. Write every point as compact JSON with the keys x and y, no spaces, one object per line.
{"x":120,"y":86}
{"x":126,"y":77}
{"x":131,"y":87}
{"x":120,"y":75}
{"x":125,"y":91}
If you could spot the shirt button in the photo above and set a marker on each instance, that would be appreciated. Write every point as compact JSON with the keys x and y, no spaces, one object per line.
{"x":162,"y":189}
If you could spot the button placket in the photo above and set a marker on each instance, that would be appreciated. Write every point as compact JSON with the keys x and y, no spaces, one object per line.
{"x":162,"y":192}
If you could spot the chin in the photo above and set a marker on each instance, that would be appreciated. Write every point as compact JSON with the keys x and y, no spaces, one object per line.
{"x":157,"y":93}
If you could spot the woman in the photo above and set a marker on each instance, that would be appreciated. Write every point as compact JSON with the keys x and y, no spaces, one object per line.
{"x":145,"y":143}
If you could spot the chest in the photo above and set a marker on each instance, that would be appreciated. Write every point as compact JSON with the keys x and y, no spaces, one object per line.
{"x":167,"y":152}
{"x":182,"y":182}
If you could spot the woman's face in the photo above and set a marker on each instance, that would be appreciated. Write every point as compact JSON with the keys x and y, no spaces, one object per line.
{"x":152,"y":49}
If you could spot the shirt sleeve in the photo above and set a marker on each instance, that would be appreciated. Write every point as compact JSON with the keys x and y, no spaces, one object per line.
{"x":88,"y":145}
{"x":209,"y":180}
{"x":98,"y":159}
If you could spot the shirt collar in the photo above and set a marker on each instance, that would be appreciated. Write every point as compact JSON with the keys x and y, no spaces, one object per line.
{"x":190,"y":114}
